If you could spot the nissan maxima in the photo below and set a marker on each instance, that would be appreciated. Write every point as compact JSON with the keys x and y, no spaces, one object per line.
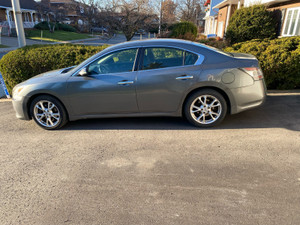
{"x":156,"y":77}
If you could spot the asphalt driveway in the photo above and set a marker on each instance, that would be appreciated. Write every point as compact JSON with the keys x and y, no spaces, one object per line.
{"x":154,"y":170}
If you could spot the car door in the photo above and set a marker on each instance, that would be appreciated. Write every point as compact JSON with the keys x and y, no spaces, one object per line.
{"x":108,"y":86}
{"x":165,"y":74}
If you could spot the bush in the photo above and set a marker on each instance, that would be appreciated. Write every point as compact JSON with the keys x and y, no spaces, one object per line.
{"x":184,"y":30}
{"x":24,"y":63}
{"x":58,"y":26}
{"x":279,"y":60}
{"x":249,"y":23}
{"x":220,"y":44}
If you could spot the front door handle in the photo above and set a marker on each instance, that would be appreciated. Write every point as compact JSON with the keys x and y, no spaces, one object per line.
{"x":184,"y":77}
{"x":125,"y":82}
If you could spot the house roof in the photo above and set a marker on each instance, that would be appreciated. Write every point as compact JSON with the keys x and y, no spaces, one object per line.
{"x":25,"y":4}
{"x":227,"y":2}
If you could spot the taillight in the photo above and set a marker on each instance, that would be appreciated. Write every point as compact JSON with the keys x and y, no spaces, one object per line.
{"x":254,"y":72}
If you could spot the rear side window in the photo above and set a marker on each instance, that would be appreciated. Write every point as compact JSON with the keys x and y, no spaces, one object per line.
{"x":155,"y":58}
{"x":190,"y":58}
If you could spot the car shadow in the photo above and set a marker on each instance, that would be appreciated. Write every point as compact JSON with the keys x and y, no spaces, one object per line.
{"x":279,"y":111}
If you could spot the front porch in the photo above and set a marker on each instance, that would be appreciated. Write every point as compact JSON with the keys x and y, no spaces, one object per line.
{"x":30,"y":18}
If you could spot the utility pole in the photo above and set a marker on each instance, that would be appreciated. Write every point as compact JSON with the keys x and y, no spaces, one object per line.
{"x":160,"y":18}
{"x":18,"y":22}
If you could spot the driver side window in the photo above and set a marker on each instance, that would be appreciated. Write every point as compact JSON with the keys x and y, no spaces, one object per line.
{"x":116,"y":62}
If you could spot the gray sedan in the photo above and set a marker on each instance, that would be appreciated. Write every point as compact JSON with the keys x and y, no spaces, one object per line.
{"x":158,"y":77}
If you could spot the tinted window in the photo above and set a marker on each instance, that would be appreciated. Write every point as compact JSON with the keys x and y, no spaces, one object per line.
{"x":116,"y":62}
{"x":155,"y":58}
{"x":190,"y":58}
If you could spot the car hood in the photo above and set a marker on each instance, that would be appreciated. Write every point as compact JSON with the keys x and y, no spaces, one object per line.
{"x":51,"y":76}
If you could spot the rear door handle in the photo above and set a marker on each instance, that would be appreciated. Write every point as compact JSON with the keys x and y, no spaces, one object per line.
{"x":184,"y":77}
{"x":125,"y":82}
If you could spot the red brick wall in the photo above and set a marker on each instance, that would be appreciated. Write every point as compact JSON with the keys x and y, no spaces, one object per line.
{"x":2,"y":15}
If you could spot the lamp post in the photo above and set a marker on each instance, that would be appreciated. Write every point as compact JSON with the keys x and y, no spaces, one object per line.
{"x":18,"y":22}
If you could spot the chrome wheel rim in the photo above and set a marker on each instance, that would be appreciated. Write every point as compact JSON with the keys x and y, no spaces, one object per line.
{"x":46,"y":113}
{"x":206,"y":109}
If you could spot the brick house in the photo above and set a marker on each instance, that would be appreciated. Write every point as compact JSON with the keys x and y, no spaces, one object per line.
{"x":73,"y":11}
{"x":288,"y":12}
{"x":29,"y":14}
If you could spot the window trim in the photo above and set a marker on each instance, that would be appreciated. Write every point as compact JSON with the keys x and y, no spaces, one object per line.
{"x":290,"y":24}
{"x":141,"y":60}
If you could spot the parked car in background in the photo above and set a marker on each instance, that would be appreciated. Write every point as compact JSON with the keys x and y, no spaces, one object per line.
{"x":156,"y":77}
{"x":99,"y":29}
{"x":140,"y":31}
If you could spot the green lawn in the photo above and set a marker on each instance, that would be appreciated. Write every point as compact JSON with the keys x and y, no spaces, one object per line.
{"x":3,"y":46}
{"x":58,"y":35}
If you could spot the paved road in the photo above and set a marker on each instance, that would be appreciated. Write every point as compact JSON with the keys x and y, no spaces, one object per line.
{"x":153,"y":170}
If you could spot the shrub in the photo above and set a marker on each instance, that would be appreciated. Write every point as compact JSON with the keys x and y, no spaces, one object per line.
{"x":251,"y":23}
{"x":66,"y":27}
{"x":184,"y":30}
{"x":214,"y":43}
{"x":24,"y":63}
{"x":58,"y":26}
{"x":279,"y":60}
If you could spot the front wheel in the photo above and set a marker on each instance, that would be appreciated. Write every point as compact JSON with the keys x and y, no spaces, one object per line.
{"x":205,"y":108}
{"x":48,"y":112}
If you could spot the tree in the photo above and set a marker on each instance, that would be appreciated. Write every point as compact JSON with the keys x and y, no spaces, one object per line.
{"x":254,"y":22}
{"x":126,"y":16}
{"x":89,"y":11}
{"x":44,"y":9}
{"x":169,"y":12}
{"x":190,"y":10}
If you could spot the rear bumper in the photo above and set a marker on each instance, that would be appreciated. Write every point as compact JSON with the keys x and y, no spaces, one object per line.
{"x":249,"y":97}
{"x":20,"y":107}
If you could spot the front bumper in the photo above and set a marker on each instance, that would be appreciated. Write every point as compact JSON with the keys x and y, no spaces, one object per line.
{"x":20,"y":107}
{"x":249,"y":97}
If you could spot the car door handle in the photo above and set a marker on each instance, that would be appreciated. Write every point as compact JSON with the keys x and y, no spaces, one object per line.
{"x":125,"y":82}
{"x":184,"y":77}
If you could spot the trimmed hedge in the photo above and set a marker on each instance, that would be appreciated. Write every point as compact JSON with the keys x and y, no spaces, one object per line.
{"x":184,"y":30}
{"x":279,"y":60}
{"x":24,"y":63}
{"x":251,"y":23}
{"x":58,"y":26}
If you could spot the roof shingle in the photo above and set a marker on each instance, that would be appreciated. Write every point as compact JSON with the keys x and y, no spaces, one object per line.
{"x":25,"y":4}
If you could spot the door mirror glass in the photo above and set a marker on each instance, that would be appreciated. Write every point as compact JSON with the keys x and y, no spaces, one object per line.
{"x":83,"y":72}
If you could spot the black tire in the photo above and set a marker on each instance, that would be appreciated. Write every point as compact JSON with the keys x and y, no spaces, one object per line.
{"x":57,"y":109}
{"x":207,"y":111}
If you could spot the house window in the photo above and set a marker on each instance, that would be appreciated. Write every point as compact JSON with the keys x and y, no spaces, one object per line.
{"x":292,"y":22}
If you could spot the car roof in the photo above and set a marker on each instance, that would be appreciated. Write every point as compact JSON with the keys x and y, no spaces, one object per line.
{"x":167,"y":42}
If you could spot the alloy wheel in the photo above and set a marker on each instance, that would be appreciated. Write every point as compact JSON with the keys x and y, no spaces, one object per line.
{"x":46,"y":113}
{"x":206,"y":109}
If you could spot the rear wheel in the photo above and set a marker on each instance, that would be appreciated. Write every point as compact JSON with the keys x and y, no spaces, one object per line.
{"x":205,"y":108}
{"x":48,"y":112}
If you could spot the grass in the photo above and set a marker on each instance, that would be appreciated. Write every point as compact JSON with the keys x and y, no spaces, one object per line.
{"x":58,"y":35}
{"x":4,"y":46}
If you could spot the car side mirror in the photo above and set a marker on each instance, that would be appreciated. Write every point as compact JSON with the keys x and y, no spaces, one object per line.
{"x":83,"y":72}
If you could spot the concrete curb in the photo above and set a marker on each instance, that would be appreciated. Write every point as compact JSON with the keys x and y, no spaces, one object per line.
{"x":5,"y":99}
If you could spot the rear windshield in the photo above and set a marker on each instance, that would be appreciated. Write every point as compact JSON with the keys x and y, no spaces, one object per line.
{"x":216,"y":49}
